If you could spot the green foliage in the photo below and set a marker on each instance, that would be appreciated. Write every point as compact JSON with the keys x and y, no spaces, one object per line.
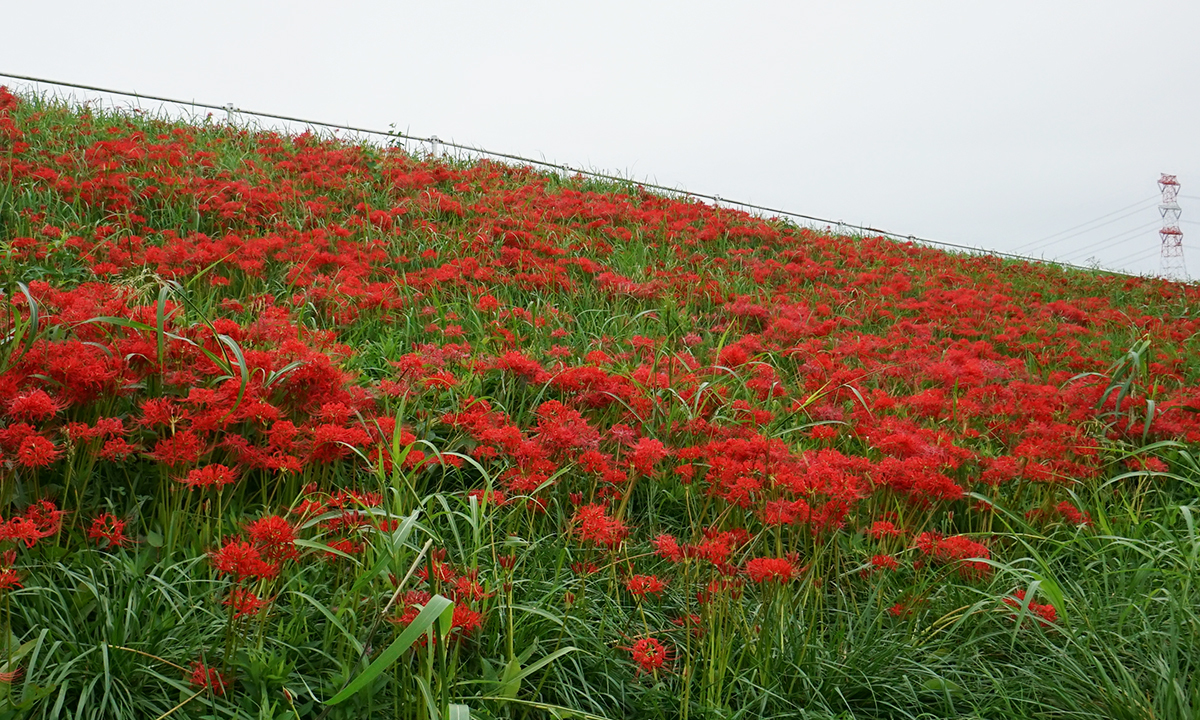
{"x":357,"y":619}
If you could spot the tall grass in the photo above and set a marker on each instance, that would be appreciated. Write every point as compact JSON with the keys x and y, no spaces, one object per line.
{"x":428,"y":577}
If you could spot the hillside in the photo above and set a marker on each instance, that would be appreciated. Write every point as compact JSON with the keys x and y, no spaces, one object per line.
{"x":265,"y":399}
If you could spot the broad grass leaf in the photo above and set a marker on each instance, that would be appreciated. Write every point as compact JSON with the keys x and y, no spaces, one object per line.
{"x":436,"y":608}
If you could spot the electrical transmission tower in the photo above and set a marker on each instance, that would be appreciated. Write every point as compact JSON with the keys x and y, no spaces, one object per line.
{"x":1172,"y":236}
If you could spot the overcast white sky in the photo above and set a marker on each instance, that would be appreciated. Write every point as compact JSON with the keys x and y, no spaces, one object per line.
{"x":993,"y":125}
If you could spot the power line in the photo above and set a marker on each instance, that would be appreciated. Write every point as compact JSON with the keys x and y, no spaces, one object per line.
{"x":1089,"y":222}
{"x":542,"y":163}
{"x":1119,"y":237}
{"x":1097,"y":227}
{"x":1140,"y":255}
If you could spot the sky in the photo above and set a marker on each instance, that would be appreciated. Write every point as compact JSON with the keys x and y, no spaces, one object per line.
{"x":1003,"y":126}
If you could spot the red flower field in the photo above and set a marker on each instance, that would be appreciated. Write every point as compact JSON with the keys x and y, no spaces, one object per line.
{"x":268,"y":402}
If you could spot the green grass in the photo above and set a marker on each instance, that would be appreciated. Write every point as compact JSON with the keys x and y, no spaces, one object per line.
{"x":851,"y":329}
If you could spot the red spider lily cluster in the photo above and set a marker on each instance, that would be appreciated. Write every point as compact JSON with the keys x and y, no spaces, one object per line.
{"x":461,"y":586}
{"x":272,"y":335}
{"x":1045,"y":612}
{"x":244,"y":603}
{"x":107,"y":528}
{"x":40,"y":520}
{"x":768,"y":569}
{"x":649,"y":654}
{"x":643,"y":585}
{"x":242,"y":561}
{"x":207,"y":678}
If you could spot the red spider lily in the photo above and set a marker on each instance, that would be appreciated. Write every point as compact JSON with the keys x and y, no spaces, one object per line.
{"x":9,"y":579}
{"x":345,"y":545}
{"x":354,"y":499}
{"x":649,"y":654}
{"x":642,"y":585}
{"x":646,"y":454}
{"x":496,"y":497}
{"x":310,"y":508}
{"x":204,"y":677}
{"x":593,"y":524}
{"x":183,"y":448}
{"x":1064,"y":511}
{"x":883,"y":528}
{"x":768,"y":569}
{"x":244,"y":602}
{"x":667,"y":547}
{"x":1151,"y":464}
{"x":691,"y":622}
{"x":36,"y":451}
{"x":467,"y":588}
{"x":1072,"y":514}
{"x":209,"y":477}
{"x":241,"y":560}
{"x":13,"y":435}
{"x":584,"y":568}
{"x":561,"y":429}
{"x":1045,"y":612}
{"x":464,"y":620}
{"x":823,"y":432}
{"x":884,"y":562}
{"x":21,"y":530}
{"x":438,"y":571}
{"x":45,"y":516}
{"x":958,"y":550}
{"x":116,"y":449}
{"x":721,"y":586}
{"x":274,"y":535}
{"x":33,"y":405}
{"x":411,"y":605}
{"x":716,"y":550}
{"x":41,"y":520}
{"x":107,"y":527}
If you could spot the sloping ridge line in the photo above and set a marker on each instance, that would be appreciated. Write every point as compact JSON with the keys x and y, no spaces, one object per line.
{"x":565,"y":168}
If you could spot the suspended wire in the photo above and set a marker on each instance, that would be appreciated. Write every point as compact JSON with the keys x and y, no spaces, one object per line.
{"x":1136,"y":257}
{"x":1116,"y":239}
{"x":1097,"y":227}
{"x":1145,"y":253}
{"x":1089,"y":222}
{"x":717,"y":199}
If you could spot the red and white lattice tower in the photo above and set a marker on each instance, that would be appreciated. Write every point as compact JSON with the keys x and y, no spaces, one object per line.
{"x":1172,"y":236}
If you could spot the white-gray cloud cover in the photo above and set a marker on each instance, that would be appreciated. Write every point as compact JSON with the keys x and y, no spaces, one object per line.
{"x":990,"y":124}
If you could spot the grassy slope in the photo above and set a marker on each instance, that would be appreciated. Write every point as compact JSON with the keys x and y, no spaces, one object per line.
{"x":829,"y":381}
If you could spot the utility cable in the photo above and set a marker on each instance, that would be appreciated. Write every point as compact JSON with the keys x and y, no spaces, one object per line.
{"x":1116,"y":239}
{"x":1089,"y":222}
{"x":1140,"y":255}
{"x":1097,"y":227}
